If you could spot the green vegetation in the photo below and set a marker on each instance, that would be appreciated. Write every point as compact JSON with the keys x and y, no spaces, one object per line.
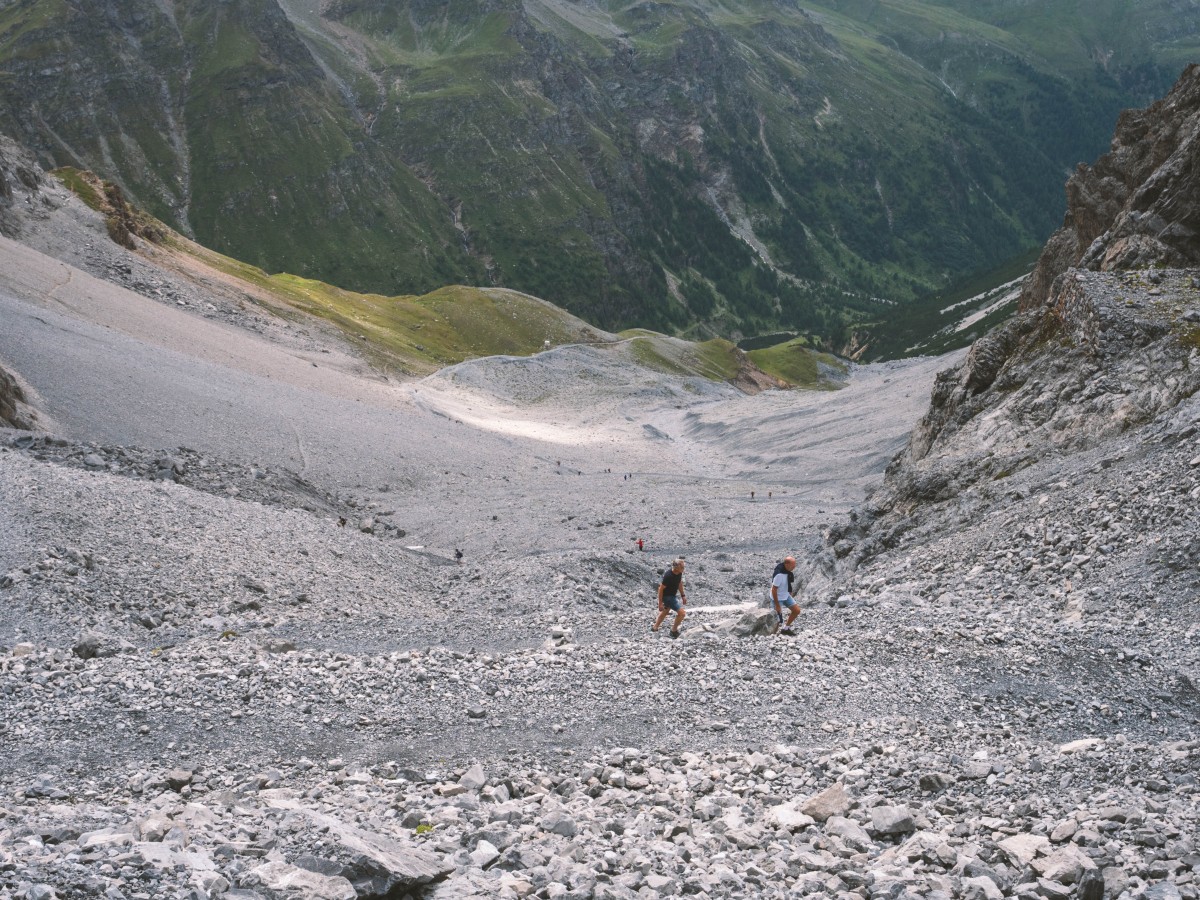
{"x":736,"y":167}
{"x":796,"y":363}
{"x":925,"y":327}
{"x":82,"y":184}
{"x":414,"y":335}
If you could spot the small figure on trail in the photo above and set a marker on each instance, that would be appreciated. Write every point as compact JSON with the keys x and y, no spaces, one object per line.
{"x":770,"y":494}
{"x":752,"y":495}
{"x":782,"y":593}
{"x":341,"y":521}
{"x":458,"y":556}
{"x":671,"y":597}
{"x":641,"y":544}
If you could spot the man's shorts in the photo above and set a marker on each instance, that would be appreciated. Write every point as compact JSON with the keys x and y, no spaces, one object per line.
{"x":672,"y":603}
{"x":788,"y":601}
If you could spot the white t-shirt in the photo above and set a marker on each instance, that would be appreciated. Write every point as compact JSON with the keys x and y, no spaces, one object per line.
{"x":780,"y":581}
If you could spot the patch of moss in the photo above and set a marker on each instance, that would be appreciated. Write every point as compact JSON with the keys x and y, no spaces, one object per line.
{"x":1191,"y":337}
{"x":796,"y":364}
{"x":84,"y":185}
{"x":647,"y":351}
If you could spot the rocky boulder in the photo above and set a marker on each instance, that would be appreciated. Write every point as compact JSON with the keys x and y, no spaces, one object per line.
{"x":14,"y":408}
{"x":752,"y":623}
{"x":374,"y":864}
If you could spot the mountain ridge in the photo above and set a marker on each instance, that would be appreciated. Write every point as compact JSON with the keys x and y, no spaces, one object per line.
{"x":725,"y":168}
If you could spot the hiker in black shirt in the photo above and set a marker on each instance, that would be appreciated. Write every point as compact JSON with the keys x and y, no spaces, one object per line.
{"x":671,"y":598}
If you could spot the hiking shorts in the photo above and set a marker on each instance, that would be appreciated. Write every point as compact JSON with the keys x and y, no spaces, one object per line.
{"x":788,"y":601}
{"x":673,"y":603}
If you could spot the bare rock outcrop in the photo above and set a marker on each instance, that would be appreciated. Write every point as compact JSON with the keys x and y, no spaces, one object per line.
{"x":1139,"y":204}
{"x":1104,"y":341}
{"x":20,"y":179}
{"x":15,"y":412}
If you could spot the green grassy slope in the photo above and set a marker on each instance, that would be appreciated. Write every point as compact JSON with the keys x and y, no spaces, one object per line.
{"x":720,"y":168}
{"x":416,"y":335}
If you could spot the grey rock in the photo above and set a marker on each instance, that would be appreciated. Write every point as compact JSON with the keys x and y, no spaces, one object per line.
{"x":851,"y":833}
{"x":752,"y":623}
{"x":1163,"y":890}
{"x":935,"y":782}
{"x":484,"y":854}
{"x":95,"y":645}
{"x":892,"y":820}
{"x":375,"y":863}
{"x":558,"y":822}
{"x":474,"y":778}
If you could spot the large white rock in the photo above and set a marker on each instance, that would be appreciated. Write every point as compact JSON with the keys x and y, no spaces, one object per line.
{"x":892,"y":820}
{"x":1080,"y":745}
{"x":1064,"y":865}
{"x":789,"y":817}
{"x":374,"y":863}
{"x":1022,"y":849}
{"x":981,"y":889}
{"x":281,"y":881}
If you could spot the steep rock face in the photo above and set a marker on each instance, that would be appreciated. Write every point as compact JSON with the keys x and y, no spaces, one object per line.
{"x":14,"y":412}
{"x":1108,"y":347}
{"x":1139,"y":204}
{"x":20,"y":177}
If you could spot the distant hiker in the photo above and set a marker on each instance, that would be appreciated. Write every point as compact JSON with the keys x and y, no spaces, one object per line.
{"x":641,"y":544}
{"x":671,"y":598}
{"x":458,"y":556}
{"x":770,"y":494}
{"x":782,"y":593}
{"x":752,"y":495}
{"x":341,"y":521}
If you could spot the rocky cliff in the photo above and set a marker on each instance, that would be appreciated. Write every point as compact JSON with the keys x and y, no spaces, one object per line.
{"x":1107,"y":339}
{"x":1139,"y":204}
{"x":14,"y":412}
{"x":19,"y":180}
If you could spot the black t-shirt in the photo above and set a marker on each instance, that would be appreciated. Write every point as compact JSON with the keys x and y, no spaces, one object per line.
{"x":781,"y":569}
{"x":670,"y":582}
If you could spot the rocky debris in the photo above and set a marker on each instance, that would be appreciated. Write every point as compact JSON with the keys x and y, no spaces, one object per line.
{"x":254,"y":483}
{"x":998,"y":699}
{"x":536,"y":824}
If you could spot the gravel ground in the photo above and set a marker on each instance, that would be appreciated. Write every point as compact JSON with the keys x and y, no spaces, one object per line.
{"x":237,"y":657}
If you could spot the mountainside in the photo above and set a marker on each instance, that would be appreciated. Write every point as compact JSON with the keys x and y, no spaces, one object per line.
{"x":1106,"y":341}
{"x":277,"y":624}
{"x":396,"y":337}
{"x":739,"y":166}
